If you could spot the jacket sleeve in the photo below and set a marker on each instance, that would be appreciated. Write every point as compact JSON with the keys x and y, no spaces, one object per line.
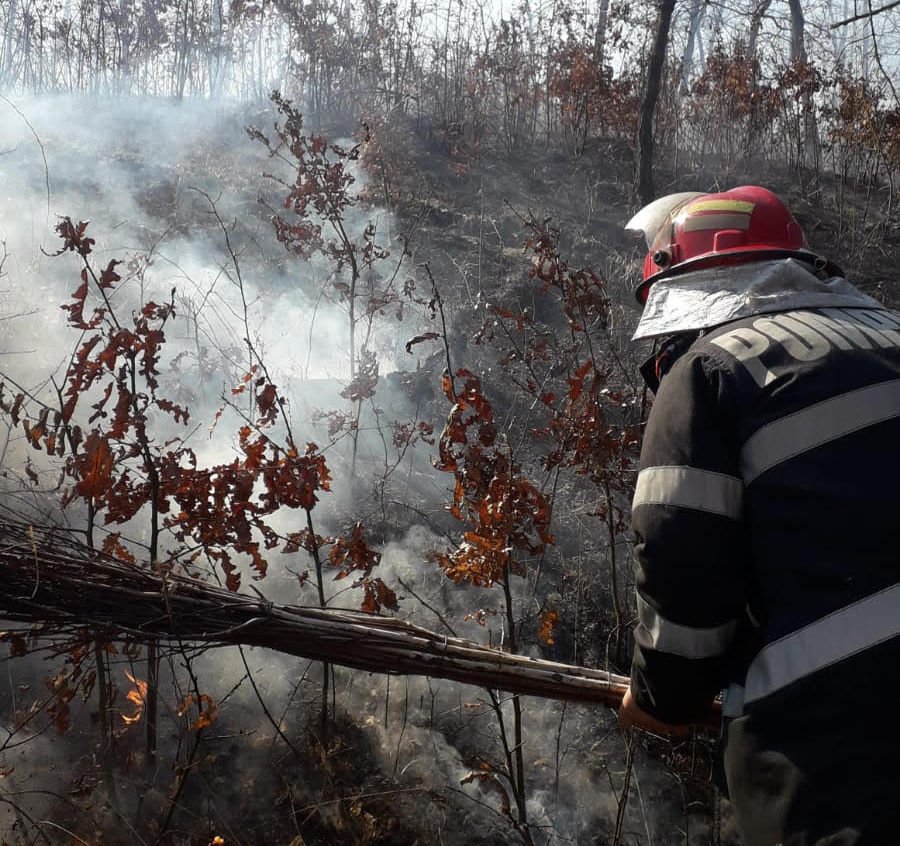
{"x":691,"y":551}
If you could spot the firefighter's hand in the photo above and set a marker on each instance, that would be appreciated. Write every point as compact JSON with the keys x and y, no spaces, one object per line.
{"x":632,"y":715}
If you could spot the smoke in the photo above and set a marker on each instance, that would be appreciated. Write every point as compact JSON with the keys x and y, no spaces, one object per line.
{"x":173,"y":190}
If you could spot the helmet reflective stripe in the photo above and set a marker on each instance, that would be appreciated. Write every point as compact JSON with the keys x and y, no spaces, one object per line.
{"x":694,"y":223}
{"x":721,"y":205}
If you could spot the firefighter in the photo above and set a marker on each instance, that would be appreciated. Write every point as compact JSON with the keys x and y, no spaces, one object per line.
{"x":767,"y":519}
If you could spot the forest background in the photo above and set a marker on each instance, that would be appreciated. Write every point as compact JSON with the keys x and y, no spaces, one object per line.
{"x":349,"y":327}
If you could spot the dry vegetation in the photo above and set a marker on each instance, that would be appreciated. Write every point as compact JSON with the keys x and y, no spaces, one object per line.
{"x":432,"y":175}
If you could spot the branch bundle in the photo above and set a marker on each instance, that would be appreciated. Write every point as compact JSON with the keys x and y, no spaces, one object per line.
{"x":48,"y":578}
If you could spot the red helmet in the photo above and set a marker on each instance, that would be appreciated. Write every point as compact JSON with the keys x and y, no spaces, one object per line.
{"x":692,"y":229}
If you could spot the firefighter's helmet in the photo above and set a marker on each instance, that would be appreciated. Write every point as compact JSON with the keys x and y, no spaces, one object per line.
{"x":690,"y":230}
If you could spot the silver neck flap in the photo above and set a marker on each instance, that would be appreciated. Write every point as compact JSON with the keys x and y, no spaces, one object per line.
{"x":711,"y":296}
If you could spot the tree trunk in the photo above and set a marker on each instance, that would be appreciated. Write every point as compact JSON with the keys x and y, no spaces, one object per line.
{"x":756,"y":16}
{"x":10,"y":29}
{"x":600,"y":33}
{"x":697,"y":11}
{"x":798,"y":31}
{"x":651,"y":95}
{"x":809,"y":152}
{"x":838,"y":34}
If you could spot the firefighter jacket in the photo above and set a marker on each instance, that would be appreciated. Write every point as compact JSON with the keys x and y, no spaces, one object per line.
{"x":767,"y":526}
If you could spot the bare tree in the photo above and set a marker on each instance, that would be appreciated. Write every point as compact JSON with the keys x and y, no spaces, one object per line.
{"x":651,"y":95}
{"x":600,"y":32}
{"x":696,"y":14}
{"x":758,"y":10}
{"x":798,"y":31}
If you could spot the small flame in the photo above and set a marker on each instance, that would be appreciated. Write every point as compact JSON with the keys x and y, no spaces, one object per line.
{"x":137,"y":697}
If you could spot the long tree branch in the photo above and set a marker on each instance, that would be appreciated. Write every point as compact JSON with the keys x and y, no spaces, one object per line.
{"x":82,"y":587}
{"x":867,"y":14}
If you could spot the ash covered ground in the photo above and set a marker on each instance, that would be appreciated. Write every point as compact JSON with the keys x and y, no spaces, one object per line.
{"x":174,"y":189}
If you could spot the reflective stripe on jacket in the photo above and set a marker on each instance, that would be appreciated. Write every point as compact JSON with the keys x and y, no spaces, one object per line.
{"x":769,"y":491}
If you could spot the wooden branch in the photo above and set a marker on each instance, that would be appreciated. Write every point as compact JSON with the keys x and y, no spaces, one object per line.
{"x":47,"y":578}
{"x":869,"y":14}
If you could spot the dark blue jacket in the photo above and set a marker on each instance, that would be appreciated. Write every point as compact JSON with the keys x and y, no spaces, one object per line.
{"x":767,"y":521}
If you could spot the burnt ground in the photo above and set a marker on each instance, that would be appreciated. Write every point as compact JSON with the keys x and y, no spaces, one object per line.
{"x":474,"y":215}
{"x":471,"y":230}
{"x":463,"y":216}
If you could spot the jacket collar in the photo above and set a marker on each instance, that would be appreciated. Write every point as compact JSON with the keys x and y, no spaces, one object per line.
{"x":711,"y":296}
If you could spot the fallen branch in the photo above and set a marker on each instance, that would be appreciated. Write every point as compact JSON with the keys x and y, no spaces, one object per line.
{"x":48,"y":578}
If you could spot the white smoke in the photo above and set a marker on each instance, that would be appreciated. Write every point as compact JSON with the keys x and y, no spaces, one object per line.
{"x":143,"y":172}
